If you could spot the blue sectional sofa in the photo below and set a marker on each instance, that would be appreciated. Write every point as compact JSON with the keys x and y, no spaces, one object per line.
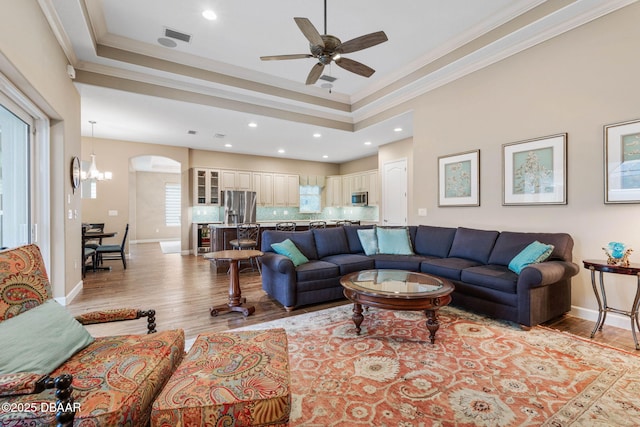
{"x":476,"y":261}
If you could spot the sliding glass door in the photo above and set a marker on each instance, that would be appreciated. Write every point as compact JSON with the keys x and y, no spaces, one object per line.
{"x":15,"y":172}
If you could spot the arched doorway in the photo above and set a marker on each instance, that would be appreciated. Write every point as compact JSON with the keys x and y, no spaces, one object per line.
{"x":155,"y":201}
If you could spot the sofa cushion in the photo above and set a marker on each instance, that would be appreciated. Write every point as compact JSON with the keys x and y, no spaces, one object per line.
{"x":434,"y":241}
{"x":534,"y":253}
{"x":398,"y":262}
{"x":449,"y":268}
{"x":496,"y":277}
{"x":510,"y":243}
{"x":330,"y":241}
{"x":368,"y":241}
{"x":289,"y":249}
{"x":316,"y":270}
{"x":352,"y":237}
{"x":394,"y":241}
{"x":473,"y":244}
{"x":303,"y":240}
{"x":41,"y":339}
{"x":348,"y":263}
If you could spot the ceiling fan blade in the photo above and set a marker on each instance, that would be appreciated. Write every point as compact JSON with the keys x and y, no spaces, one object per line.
{"x":355,"y":67}
{"x":362,"y":42}
{"x":315,"y":74}
{"x":309,"y":31}
{"x":281,"y":57}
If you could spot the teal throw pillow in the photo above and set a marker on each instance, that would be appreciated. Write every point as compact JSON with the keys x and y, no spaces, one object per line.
{"x":368,"y":240}
{"x":291,"y":251}
{"x":534,"y":253}
{"x":41,"y":339}
{"x":394,"y":241}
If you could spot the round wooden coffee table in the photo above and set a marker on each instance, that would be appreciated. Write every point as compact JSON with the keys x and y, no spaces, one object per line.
{"x":397,"y":290}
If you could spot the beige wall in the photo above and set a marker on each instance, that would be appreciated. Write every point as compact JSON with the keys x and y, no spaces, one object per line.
{"x":218,"y":159}
{"x":575,"y":83}
{"x":34,"y":62}
{"x":359,"y":165}
{"x":119,"y":194}
{"x":150,"y":206}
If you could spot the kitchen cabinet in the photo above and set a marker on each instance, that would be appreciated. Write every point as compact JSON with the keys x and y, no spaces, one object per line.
{"x":263,"y":186}
{"x":333,"y":191}
{"x":374,"y":193}
{"x":286,"y":190}
{"x":236,"y":180}
{"x":205,"y":186}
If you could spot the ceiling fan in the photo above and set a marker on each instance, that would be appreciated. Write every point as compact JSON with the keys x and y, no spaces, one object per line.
{"x":326,"y":48}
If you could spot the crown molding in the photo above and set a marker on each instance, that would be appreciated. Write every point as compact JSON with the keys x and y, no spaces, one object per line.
{"x":49,"y":11}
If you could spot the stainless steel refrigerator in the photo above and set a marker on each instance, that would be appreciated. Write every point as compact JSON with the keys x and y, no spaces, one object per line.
{"x":239,"y":207}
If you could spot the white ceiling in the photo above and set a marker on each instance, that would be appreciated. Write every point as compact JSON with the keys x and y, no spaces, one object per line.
{"x":138,"y":90}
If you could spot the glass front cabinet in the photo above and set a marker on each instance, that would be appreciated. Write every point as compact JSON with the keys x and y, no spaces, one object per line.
{"x":206,"y":186}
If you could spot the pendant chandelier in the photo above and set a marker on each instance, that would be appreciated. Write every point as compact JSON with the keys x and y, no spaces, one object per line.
{"x":93,"y":174}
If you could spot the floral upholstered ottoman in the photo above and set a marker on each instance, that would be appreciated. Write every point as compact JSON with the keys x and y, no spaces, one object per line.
{"x":229,"y":378}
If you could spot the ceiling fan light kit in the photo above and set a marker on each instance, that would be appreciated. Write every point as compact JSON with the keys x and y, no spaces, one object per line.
{"x":327,"y":48}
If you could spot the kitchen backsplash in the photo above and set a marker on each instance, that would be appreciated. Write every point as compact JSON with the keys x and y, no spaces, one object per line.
{"x":362,"y":213}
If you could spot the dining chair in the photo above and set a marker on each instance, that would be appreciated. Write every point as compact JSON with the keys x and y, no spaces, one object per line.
{"x":113,"y":251}
{"x":247,"y":238}
{"x":286,"y":226}
{"x":89,"y":253}
{"x":93,"y":243}
{"x":317,"y":224}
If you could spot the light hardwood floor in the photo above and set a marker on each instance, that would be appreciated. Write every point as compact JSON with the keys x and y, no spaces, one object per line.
{"x":181,"y":288}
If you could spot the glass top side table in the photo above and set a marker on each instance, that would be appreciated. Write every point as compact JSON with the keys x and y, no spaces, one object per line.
{"x":602,"y":267}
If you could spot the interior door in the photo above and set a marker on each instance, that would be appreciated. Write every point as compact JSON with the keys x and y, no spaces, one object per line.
{"x":394,"y":192}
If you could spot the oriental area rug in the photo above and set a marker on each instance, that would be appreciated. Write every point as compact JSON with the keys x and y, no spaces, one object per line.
{"x":479,"y":372}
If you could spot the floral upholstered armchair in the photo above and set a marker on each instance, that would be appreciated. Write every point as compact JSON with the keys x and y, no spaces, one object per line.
{"x":52,"y":371}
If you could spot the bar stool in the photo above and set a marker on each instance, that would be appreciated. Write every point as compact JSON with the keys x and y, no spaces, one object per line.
{"x":247,"y":238}
{"x":317,"y":224}
{"x":343,"y":223}
{"x":286,"y":226}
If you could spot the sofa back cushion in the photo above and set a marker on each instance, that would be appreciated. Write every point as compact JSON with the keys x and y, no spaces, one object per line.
{"x":509,"y":244}
{"x":434,"y":241}
{"x":330,"y":241}
{"x":303,"y":240}
{"x":355,"y":247}
{"x":473,"y":244}
{"x":24,"y":283}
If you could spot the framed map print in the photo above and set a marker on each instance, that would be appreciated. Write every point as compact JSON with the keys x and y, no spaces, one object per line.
{"x":535,"y":171}
{"x":459,"y":179}
{"x":622,"y":162}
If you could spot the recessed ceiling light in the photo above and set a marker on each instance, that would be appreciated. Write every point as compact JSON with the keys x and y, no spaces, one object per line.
{"x":281,"y":151}
{"x":317,"y":135}
{"x":210,"y":15}
{"x":367,"y":143}
{"x":397,"y":130}
{"x":228,"y":145}
{"x":253,"y":125}
{"x":167,"y":42}
{"x":325,"y":157}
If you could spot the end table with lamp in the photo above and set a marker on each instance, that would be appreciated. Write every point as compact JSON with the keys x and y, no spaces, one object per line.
{"x":602,"y":266}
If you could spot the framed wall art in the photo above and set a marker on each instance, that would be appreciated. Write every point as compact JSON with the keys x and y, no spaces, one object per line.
{"x":459,"y":179}
{"x":622,"y":162}
{"x":535,"y":171}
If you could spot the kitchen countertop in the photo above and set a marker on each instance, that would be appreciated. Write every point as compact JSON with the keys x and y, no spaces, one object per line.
{"x":270,"y":224}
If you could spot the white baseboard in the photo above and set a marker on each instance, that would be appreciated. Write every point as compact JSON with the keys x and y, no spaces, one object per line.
{"x":134,"y":242}
{"x":74,"y":293}
{"x":613,"y":319}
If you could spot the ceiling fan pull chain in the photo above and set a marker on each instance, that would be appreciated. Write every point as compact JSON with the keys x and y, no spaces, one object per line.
{"x":325,"y":17}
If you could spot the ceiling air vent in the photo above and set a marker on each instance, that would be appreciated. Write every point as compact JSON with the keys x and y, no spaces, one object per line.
{"x":219,"y":135}
{"x":191,"y":132}
{"x":177,"y":35}
{"x":328,"y":78}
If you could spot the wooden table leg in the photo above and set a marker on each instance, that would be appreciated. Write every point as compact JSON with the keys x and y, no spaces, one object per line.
{"x":357,"y":316}
{"x":432,"y":324}
{"x":235,"y":294}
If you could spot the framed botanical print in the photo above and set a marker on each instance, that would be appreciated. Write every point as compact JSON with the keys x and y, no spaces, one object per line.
{"x":622,"y":162}
{"x":459,"y":179}
{"x":535,"y":171}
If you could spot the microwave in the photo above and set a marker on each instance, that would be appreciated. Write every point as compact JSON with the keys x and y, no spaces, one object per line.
{"x":359,"y":198}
